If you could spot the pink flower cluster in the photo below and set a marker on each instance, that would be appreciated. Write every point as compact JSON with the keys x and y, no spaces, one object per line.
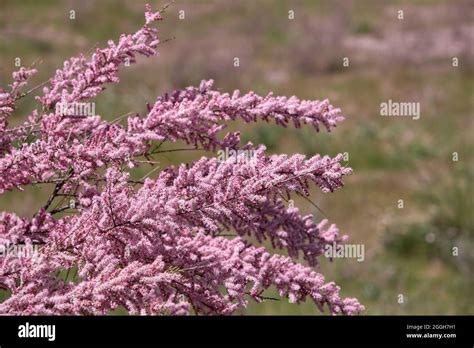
{"x":186,"y":242}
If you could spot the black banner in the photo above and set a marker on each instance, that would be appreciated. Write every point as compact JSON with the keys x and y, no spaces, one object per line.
{"x":292,"y":331}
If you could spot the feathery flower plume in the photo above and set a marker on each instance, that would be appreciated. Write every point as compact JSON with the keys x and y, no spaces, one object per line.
{"x":159,"y":246}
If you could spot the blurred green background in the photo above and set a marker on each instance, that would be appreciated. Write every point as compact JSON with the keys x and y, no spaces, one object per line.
{"x":408,"y":251}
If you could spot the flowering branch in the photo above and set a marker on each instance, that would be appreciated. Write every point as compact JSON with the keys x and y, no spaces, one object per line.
{"x":157,"y":246}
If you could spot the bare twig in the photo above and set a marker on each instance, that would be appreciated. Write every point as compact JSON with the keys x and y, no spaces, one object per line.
{"x":163,"y":9}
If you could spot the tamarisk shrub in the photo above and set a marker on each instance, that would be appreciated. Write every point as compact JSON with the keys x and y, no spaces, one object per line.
{"x":157,"y":246}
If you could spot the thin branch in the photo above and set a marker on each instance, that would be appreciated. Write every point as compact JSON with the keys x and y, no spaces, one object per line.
{"x":163,"y":9}
{"x":167,"y":40}
{"x":149,"y":173}
{"x":53,"y":195}
{"x":22,"y":95}
{"x":158,"y":146}
{"x":177,"y":150}
{"x":263,"y":297}
{"x":122,"y":116}
{"x":312,"y":203}
{"x":59,"y":210}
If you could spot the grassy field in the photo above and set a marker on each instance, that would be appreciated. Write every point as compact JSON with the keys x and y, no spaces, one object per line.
{"x":408,"y":251}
